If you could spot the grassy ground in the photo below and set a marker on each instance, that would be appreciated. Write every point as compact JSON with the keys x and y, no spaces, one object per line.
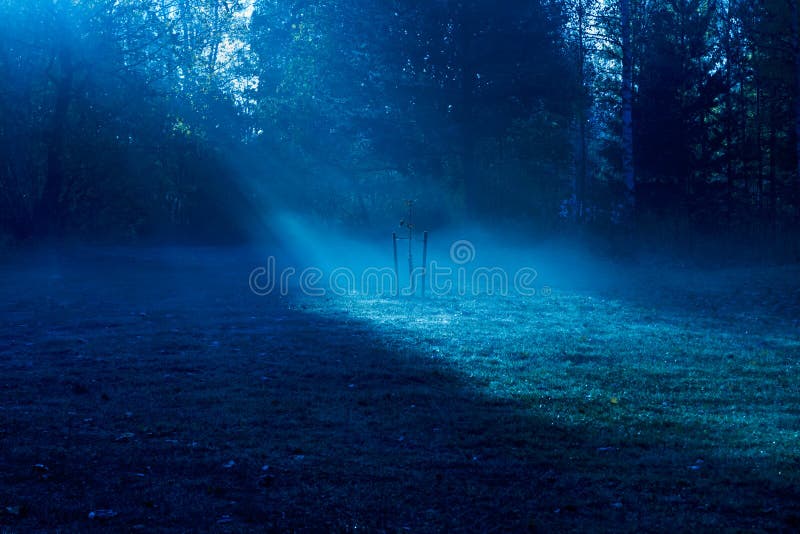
{"x":156,"y":386}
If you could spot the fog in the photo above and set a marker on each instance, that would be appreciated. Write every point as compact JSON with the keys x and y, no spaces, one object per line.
{"x":346,"y":266}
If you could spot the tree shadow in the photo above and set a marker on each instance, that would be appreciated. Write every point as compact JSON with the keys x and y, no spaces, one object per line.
{"x":158,"y":386}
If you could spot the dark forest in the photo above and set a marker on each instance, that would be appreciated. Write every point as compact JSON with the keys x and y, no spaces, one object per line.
{"x":399,"y":266}
{"x":672,"y":122}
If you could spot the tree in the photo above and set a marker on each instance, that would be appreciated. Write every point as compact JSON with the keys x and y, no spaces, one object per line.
{"x":628,"y":169}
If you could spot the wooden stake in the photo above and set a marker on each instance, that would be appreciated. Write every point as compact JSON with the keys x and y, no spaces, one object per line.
{"x":411,"y":287}
{"x":424,"y":259}
{"x":396,"y":267}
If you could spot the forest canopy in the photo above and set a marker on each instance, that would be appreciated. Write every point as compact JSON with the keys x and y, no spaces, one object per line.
{"x":202,"y":118}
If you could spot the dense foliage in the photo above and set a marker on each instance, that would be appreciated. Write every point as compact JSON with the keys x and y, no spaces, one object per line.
{"x":202,"y":117}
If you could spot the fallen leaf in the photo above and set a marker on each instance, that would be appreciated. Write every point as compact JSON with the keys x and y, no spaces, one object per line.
{"x":102,"y":514}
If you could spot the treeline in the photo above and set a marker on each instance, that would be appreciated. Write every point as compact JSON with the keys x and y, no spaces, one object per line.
{"x":663,"y":118}
{"x":112,"y":118}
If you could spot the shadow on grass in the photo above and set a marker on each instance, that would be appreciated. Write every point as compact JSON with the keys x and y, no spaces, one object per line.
{"x":160,"y":388}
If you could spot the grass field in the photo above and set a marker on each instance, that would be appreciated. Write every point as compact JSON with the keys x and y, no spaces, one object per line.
{"x":153,"y":391}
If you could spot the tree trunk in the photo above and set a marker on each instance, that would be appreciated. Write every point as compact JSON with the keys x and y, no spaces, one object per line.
{"x":469,"y":176}
{"x":796,"y":31}
{"x":728,"y":113}
{"x":49,"y":206}
{"x":759,"y":158}
{"x":773,"y":173}
{"x":581,"y":179}
{"x":628,"y":170}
